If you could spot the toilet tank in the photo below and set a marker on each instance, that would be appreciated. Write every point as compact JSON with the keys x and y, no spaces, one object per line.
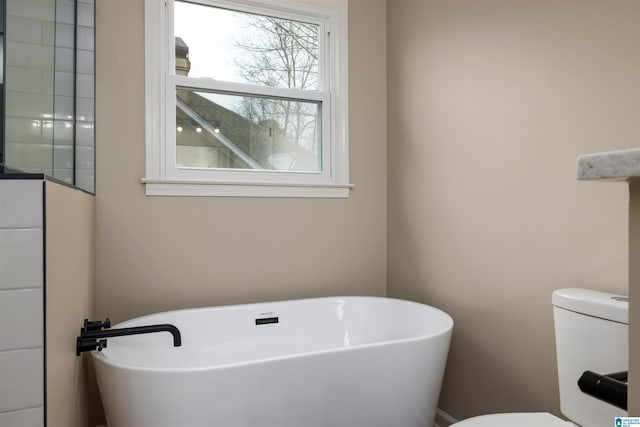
{"x":591,"y":335}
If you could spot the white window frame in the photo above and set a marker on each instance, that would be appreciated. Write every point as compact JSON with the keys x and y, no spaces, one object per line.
{"x":164,"y":178}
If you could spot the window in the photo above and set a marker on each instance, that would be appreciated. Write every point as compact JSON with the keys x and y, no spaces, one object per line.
{"x":246,"y":98}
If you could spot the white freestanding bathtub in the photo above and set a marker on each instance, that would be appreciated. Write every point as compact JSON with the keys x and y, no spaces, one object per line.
{"x":332,"y":362}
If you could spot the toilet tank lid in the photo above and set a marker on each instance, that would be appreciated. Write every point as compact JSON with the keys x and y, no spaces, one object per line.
{"x":608,"y":306}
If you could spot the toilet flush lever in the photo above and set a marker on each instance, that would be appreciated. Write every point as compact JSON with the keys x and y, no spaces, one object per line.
{"x":610,"y":388}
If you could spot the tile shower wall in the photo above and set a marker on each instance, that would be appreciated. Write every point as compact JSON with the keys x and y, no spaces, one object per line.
{"x":29,"y":56}
{"x":21,"y":303}
{"x":64,"y":91}
{"x":74,"y":142}
{"x":49,"y":87}
{"x":85,"y":98}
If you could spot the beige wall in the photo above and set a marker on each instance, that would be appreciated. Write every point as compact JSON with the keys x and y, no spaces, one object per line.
{"x":70,"y":272}
{"x":159,"y":253}
{"x":490,"y":102}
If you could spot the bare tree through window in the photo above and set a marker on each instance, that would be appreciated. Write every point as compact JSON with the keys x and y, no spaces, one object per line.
{"x":281,"y":53}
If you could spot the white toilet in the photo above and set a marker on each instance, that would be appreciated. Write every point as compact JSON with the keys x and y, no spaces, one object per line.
{"x":591,"y":335}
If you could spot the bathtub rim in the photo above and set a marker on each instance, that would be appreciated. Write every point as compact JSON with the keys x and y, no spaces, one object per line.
{"x":102,"y":358}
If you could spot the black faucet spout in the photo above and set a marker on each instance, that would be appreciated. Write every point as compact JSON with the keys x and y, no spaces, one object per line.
{"x":137,"y":330}
{"x":92,"y":339}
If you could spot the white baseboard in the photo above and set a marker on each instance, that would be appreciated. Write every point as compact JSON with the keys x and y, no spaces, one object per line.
{"x":443,"y":419}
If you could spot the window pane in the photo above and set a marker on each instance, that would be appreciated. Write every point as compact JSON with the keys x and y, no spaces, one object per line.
{"x":245,"y":48}
{"x":215,"y":130}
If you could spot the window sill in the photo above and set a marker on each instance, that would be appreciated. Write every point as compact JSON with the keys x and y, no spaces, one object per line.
{"x":163,"y":187}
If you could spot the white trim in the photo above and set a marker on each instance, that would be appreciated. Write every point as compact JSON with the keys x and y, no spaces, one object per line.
{"x":162,"y":173}
{"x":155,"y":59}
{"x":234,"y":189}
{"x":285,"y":9}
{"x":339,"y":75}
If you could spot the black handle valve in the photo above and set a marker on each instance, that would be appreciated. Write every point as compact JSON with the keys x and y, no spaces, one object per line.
{"x":95,"y":325}
{"x":89,"y":344}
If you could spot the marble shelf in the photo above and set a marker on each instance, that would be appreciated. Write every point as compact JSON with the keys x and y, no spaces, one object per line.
{"x":622,"y":165}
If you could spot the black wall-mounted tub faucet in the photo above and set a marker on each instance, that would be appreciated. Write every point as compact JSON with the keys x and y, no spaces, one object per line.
{"x":93,"y":336}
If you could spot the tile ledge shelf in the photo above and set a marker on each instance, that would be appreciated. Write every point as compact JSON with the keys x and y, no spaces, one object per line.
{"x":622,"y":165}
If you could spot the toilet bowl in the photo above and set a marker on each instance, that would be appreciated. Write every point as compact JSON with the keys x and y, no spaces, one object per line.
{"x":529,"y":419}
{"x":584,"y":320}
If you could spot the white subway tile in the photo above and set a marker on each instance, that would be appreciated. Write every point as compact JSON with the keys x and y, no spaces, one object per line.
{"x":85,"y":62}
{"x":85,"y":134}
{"x":85,"y":157}
{"x":21,"y":203}
{"x":43,"y":10}
{"x":85,"y":109}
{"x":64,"y":83}
{"x":29,"y":80}
{"x":25,"y":79}
{"x":21,"y":376}
{"x":24,"y":30}
{"x":29,"y":157}
{"x":29,"y":55}
{"x":32,"y":417}
{"x":63,"y":156}
{"x":85,"y":38}
{"x":21,"y":252}
{"x":63,"y":107}
{"x":85,"y":15}
{"x":65,"y":11}
{"x":64,"y":35}
{"x":21,"y":319}
{"x":27,"y":130}
{"x":63,"y":132}
{"x":85,"y":179}
{"x":48,"y":33}
{"x":30,"y":105}
{"x":85,"y":85}
{"x":47,"y":82}
{"x":64,"y":59}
